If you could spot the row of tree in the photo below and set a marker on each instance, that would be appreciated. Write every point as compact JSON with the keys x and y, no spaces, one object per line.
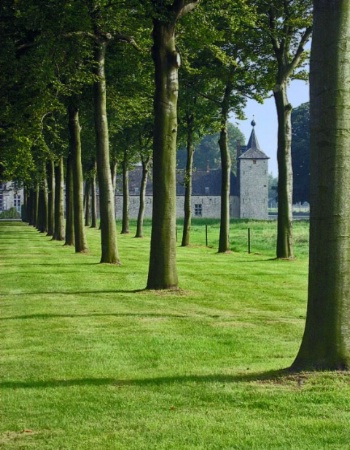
{"x":54,"y":59}
{"x":85,"y":61}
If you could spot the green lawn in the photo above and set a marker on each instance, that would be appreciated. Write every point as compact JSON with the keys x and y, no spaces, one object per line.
{"x":90,"y":360}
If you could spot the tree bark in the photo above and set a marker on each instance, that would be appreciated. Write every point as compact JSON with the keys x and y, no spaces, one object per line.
{"x":69,"y":204}
{"x":162,"y":273}
{"x":58,"y":234}
{"x":284,"y":247}
{"x":87,"y":201}
{"x":141,"y":212}
{"x":326,"y":341}
{"x":77,"y":175}
{"x":188,"y":183}
{"x":51,"y":197}
{"x":109,"y":250}
{"x":162,"y":267}
{"x":125,"y":217}
{"x":43,"y":204}
{"x":93,"y":202}
{"x":224,"y":238}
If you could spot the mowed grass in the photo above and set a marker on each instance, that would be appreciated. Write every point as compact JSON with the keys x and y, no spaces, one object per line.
{"x":91,"y":360}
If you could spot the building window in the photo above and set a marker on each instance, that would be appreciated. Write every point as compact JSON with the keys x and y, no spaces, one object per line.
{"x":1,"y":202}
{"x":254,"y":161}
{"x":206,"y":190}
{"x":137,"y":191}
{"x":17,"y":202}
{"x":198,"y":209}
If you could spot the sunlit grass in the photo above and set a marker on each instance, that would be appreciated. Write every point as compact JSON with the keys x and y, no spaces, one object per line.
{"x":91,"y":360}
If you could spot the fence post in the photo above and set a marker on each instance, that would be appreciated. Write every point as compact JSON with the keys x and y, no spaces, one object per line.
{"x":206,"y":235}
{"x":248,"y":240}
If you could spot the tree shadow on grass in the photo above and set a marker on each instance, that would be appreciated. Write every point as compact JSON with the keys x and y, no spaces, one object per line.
{"x":276,"y":376}
{"x":74,"y":316}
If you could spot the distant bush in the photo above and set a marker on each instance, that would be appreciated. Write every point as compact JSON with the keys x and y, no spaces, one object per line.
{"x":11,"y":213}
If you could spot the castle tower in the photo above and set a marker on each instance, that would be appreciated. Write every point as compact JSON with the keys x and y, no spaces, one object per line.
{"x":253,"y":180}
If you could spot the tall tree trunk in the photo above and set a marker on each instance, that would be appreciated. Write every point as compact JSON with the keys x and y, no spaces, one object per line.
{"x":141,"y":212}
{"x":93,"y":201}
{"x":51,"y":197}
{"x":69,"y":204}
{"x":25,"y":205}
{"x":188,"y":183}
{"x":326,"y":340}
{"x":162,"y":266}
{"x":284,"y":248}
{"x":107,"y":210}
{"x":77,"y":174}
{"x":162,"y":273}
{"x":224,"y":238}
{"x":43,"y":204}
{"x":114,"y":175}
{"x":125,"y":218}
{"x":87,"y":201}
{"x":59,"y":201}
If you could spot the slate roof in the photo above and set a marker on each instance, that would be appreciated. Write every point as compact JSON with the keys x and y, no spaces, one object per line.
{"x":253,"y":148}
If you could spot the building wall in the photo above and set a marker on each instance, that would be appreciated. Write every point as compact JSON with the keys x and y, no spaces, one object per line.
{"x":202,"y":206}
{"x":254,"y":189}
{"x":10,"y":197}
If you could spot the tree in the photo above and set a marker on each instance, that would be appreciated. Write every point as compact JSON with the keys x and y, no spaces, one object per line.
{"x":326,"y":341}
{"x":162,"y":272}
{"x":301,"y":153}
{"x":285,"y":28}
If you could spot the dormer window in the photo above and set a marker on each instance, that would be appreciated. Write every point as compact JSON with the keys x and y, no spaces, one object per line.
{"x":206,"y":190}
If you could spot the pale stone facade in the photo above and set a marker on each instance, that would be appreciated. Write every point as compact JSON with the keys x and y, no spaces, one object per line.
{"x":202,"y":206}
{"x":11,"y":196}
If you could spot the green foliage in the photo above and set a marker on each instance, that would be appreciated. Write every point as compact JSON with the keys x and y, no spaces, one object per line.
{"x":207,"y":153}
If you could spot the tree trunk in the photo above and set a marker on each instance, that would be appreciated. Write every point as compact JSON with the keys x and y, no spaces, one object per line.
{"x":107,"y":209}
{"x":59,"y":201}
{"x":326,"y":340}
{"x":69,"y":204}
{"x":284,"y":247}
{"x":51,"y":197}
{"x":162,"y":272}
{"x":125,"y":219}
{"x":77,"y":175}
{"x":93,"y":202}
{"x":87,"y":201}
{"x":141,"y":213}
{"x":25,"y":205}
{"x":43,"y":204}
{"x":188,"y":183}
{"x":224,"y":238}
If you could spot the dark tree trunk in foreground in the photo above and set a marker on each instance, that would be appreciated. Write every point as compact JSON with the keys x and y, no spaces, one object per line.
{"x":141,"y":213}
{"x":188,"y":183}
{"x":162,"y":272}
{"x":51,"y":197}
{"x":125,"y":217}
{"x":69,"y":204}
{"x":326,"y":340}
{"x":284,"y":247}
{"x":77,"y":175}
{"x":59,"y":201}
{"x":109,"y":250}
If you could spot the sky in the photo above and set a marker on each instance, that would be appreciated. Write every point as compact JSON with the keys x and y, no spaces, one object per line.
{"x":265,"y":117}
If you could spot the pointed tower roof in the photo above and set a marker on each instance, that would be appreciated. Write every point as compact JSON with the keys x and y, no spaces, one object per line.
{"x":253,"y":148}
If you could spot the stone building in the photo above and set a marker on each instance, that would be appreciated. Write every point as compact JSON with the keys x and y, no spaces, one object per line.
{"x":11,"y":196}
{"x":249,"y":188}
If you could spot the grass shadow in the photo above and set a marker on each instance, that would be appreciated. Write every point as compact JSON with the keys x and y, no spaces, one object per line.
{"x":276,"y":376}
